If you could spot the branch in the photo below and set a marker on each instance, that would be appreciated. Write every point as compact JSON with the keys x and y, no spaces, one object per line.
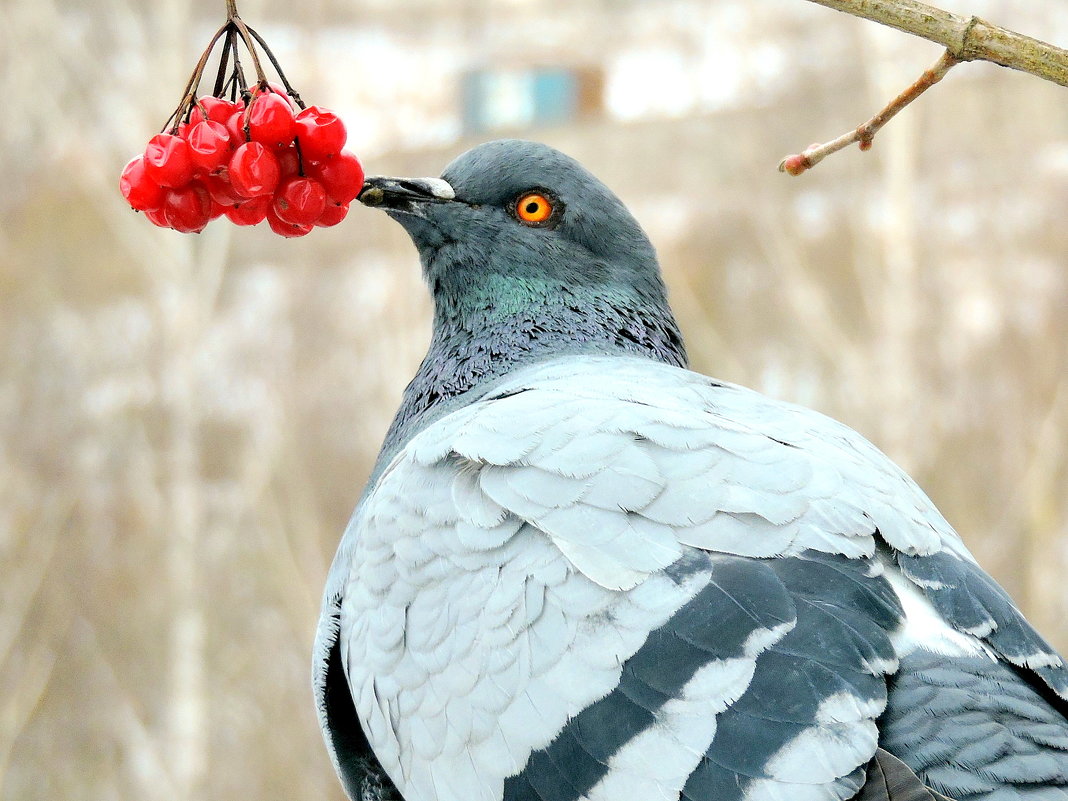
{"x":966,"y":38}
{"x":864,"y":134}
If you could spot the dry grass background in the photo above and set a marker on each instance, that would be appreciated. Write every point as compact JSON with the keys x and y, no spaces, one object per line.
{"x":186,"y":422}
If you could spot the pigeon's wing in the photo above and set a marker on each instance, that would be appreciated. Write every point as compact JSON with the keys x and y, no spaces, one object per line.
{"x":609,"y":578}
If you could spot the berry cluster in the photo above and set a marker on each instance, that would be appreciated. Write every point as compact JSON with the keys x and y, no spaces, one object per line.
{"x":251,"y":162}
{"x":256,"y":156}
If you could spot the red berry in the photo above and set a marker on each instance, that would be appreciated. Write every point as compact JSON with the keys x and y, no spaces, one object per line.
{"x":217,"y":182}
{"x":219,"y":109}
{"x":253,"y":170}
{"x":157,"y":217}
{"x":235,"y":126}
{"x":167,"y":160}
{"x":188,"y":208}
{"x":209,"y":144}
{"x":332,"y":214}
{"x":249,"y":212}
{"x":342,"y":176}
{"x":272,"y":88}
{"x":321,"y":133}
{"x":288,"y":162}
{"x":140,"y":191}
{"x":286,"y":229}
{"x":300,"y":201}
{"x":270,"y":120}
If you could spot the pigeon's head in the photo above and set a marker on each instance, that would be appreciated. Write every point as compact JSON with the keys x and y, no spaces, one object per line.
{"x":510,"y":220}
{"x":528,"y":256}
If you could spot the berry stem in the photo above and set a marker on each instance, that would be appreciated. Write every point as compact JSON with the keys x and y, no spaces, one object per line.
{"x":232,"y":29}
{"x":194,"y":81}
{"x":231,"y":88}
{"x":243,"y":30}
{"x":224,"y":59}
{"x":239,"y":72}
{"x":198,"y":103}
{"x":278,"y":68}
{"x":300,"y":156}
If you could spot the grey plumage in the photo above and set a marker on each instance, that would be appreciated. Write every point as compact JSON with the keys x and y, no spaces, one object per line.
{"x":580,"y":571}
{"x":977,"y":728}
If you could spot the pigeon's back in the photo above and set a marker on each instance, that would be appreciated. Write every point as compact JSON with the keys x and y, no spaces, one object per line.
{"x":609,"y":578}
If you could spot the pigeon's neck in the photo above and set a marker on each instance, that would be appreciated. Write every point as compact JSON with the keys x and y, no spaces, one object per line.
{"x":478,"y":343}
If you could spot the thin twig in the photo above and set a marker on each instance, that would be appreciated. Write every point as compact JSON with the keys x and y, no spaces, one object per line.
{"x":966,"y":38}
{"x":865,"y":133}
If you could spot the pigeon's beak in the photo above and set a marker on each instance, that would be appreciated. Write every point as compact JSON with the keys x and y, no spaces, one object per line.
{"x":402,"y":194}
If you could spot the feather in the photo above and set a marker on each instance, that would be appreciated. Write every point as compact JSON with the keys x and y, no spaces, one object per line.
{"x":889,"y":779}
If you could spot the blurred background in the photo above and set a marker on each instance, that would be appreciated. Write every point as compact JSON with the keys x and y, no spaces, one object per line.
{"x":186,"y":421}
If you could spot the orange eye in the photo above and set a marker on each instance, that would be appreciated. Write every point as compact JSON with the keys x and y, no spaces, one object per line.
{"x":533,"y":208}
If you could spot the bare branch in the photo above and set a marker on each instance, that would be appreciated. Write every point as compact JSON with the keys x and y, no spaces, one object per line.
{"x":814,"y":154}
{"x":966,"y":38}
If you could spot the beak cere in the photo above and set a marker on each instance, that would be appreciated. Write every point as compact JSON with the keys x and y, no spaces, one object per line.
{"x":402,"y":194}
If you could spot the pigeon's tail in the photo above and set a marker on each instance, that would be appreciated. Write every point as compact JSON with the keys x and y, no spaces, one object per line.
{"x":890,"y":779}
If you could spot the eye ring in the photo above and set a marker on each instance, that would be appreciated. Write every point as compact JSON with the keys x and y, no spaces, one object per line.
{"x":535,"y":208}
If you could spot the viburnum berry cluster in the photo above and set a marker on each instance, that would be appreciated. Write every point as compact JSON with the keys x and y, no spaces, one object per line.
{"x":245,"y":153}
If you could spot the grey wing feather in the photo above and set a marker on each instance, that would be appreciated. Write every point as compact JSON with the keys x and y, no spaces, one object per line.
{"x":760,"y":739}
{"x":807,"y":718}
{"x":976,"y":730}
{"x":973,"y":603}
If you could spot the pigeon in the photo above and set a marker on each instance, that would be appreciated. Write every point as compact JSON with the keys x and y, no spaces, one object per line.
{"x":580,"y":571}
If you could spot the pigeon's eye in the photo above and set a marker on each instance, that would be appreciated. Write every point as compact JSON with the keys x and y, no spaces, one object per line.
{"x":533,"y":208}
